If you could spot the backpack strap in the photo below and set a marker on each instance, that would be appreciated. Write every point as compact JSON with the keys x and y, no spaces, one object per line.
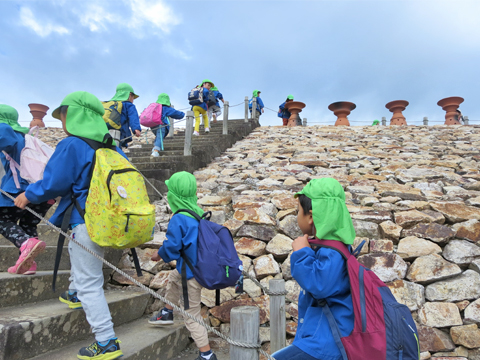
{"x":333,"y":326}
{"x":186,"y":261}
{"x":334,"y":245}
{"x":13,"y":166}
{"x":61,"y":241}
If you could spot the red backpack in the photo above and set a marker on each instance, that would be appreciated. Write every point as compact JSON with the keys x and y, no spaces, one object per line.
{"x":383,"y":328}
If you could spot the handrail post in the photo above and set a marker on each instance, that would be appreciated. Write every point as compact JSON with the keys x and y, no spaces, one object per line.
{"x":465,"y":120}
{"x":254,"y":109}
{"x":246,"y":109}
{"x":304,"y":121}
{"x":278,"y":332}
{"x":244,"y":328}
{"x":384,"y":121}
{"x":187,"y":149}
{"x":225,"y":118}
{"x":425,"y":121}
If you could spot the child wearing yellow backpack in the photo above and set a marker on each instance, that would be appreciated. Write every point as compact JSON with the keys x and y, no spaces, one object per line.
{"x":67,"y":174}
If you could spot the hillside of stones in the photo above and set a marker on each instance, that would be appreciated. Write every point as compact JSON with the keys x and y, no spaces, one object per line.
{"x":414,"y":197}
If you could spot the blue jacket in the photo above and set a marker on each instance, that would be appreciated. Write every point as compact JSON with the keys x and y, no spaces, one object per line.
{"x":169,"y":112}
{"x":12,"y":142}
{"x":205,"y":99}
{"x":129,"y":121}
{"x":260,"y":105}
{"x":321,"y":275}
{"x":66,"y":174}
{"x":218,"y":96}
{"x":284,"y":113}
{"x":182,"y":232}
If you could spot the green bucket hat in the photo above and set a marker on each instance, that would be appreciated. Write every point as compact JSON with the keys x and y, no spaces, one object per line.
{"x":9,"y":116}
{"x":214,"y":88}
{"x":331,"y":218}
{"x":182,"y":193}
{"x":123,"y":92}
{"x":256,"y":92}
{"x":164,"y":99}
{"x":207,"y":81}
{"x":375,"y":122}
{"x":84,"y":116}
{"x":290,"y":97}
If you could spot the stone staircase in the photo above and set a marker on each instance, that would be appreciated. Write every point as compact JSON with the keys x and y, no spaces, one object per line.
{"x":34,"y":324}
{"x":204,"y":149}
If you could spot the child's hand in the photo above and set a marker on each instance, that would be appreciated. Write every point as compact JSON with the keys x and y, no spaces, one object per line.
{"x":137,"y":133}
{"x":300,"y":243}
{"x":21,"y":201}
{"x":156,"y":257}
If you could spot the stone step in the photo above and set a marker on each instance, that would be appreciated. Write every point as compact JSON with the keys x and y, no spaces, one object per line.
{"x":46,"y":260}
{"x":25,"y":289}
{"x":139,"y":341}
{"x":27,"y":331}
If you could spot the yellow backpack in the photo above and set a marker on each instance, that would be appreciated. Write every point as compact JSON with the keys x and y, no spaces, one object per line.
{"x":113,"y":113}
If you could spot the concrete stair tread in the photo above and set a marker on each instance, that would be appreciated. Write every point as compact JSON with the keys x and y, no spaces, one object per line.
{"x":30,"y":288}
{"x":139,"y":340}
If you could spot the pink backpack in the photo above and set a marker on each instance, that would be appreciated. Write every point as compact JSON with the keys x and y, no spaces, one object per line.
{"x":33,"y":159}
{"x":152,"y":115}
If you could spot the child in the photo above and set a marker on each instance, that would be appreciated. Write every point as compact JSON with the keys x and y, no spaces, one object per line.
{"x":321,"y":273}
{"x":202,"y":108}
{"x":375,"y":123}
{"x":284,"y":113}
{"x":67,"y":174}
{"x":162,"y":131}
{"x":215,"y":109}
{"x":129,"y":116}
{"x":182,"y":233}
{"x":260,"y":110}
{"x":17,"y":225}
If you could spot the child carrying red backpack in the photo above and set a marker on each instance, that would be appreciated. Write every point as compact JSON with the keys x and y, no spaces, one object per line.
{"x":345,"y":312}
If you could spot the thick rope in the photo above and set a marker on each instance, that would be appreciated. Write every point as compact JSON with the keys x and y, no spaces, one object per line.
{"x":148,"y":290}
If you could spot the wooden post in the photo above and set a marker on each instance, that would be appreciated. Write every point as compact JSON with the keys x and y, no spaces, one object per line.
{"x":425,"y":121}
{"x":304,"y":121}
{"x":465,"y":120}
{"x":225,"y":118}
{"x":244,"y":327}
{"x":187,"y":149}
{"x":384,"y":121}
{"x":246,"y":109}
{"x":172,"y":127}
{"x":254,"y":109}
{"x":278,"y":331}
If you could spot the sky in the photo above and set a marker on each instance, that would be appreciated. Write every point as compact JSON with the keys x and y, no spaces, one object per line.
{"x":321,"y":51}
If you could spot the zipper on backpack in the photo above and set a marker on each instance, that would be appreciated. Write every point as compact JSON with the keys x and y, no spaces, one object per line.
{"x":414,"y":334}
{"x":226,"y":268}
{"x":128,"y":219}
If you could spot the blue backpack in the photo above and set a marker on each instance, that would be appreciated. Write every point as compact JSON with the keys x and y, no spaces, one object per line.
{"x":195,"y":96}
{"x":218,"y":265}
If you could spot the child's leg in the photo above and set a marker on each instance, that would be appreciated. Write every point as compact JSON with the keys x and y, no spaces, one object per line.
{"x":158,"y":140}
{"x":9,"y":217}
{"x":197,"y":110}
{"x":198,"y":332}
{"x":29,"y":222}
{"x":88,"y":277}
{"x":205,"y":118}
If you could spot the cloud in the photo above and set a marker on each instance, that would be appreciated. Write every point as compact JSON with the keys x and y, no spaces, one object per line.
{"x":96,"y":18}
{"x":28,"y":19}
{"x":153,"y":12}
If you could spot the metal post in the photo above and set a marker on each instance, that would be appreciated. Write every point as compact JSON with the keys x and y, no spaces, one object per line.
{"x":172,"y":127}
{"x":254,"y":109}
{"x":384,"y":121}
{"x":425,"y":121}
{"x":246,"y":109}
{"x":187,"y":149}
{"x":465,"y":120}
{"x":278,"y":333}
{"x":244,"y":327}
{"x":304,"y":121}
{"x":225,"y":117}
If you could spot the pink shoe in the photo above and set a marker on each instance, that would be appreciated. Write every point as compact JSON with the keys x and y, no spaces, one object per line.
{"x":29,"y":250}
{"x":32,"y":270}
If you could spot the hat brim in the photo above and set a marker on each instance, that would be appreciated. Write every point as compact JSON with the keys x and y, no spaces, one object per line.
{"x":56,"y":113}
{"x":135,"y":95}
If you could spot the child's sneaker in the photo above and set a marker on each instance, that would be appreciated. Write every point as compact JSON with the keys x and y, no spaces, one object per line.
{"x":155,"y":153}
{"x":70,"y":298}
{"x":32,"y":270}
{"x":212,"y":356}
{"x":98,"y":351}
{"x":207,"y":130}
{"x":162,"y":318}
{"x":196,"y":133}
{"x":28,"y":251}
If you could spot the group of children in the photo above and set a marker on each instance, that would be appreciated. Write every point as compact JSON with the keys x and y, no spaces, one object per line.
{"x":322,"y":213}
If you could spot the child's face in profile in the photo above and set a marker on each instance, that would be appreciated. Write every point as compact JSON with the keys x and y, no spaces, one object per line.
{"x":207,"y":85}
{"x":63,"y":118}
{"x":305,"y":221}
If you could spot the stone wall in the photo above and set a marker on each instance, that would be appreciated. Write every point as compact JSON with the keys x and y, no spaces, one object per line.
{"x":414,"y":197}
